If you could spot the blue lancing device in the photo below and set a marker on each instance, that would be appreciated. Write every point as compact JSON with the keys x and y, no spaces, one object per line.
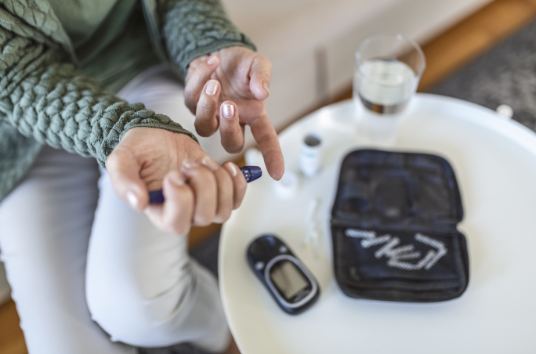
{"x":251,"y":173}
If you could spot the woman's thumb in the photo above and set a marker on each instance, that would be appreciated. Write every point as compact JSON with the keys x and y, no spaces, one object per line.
{"x":124,"y":171}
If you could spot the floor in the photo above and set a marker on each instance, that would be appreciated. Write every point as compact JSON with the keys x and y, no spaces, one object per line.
{"x":444,"y":54}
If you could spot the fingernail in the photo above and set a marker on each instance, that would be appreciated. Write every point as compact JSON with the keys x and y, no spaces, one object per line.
{"x":218,"y":220}
{"x":211,"y":164}
{"x":212,"y":87}
{"x":232,"y":169}
{"x":132,"y":199}
{"x":187,"y":164}
{"x":175,"y":178}
{"x":212,"y":60}
{"x":265,"y":86}
{"x":228,"y":110}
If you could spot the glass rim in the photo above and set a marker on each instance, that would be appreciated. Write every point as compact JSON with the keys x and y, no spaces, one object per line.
{"x":394,"y":36}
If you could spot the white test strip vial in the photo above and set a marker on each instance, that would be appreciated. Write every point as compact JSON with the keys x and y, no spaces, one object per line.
{"x":253,"y":156}
{"x":287,"y":187}
{"x":310,"y":156}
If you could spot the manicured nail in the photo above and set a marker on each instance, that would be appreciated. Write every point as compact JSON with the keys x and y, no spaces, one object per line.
{"x":232,"y":168}
{"x":187,"y":164}
{"x":218,"y":220}
{"x":175,"y":178}
{"x":212,"y":60}
{"x":211,"y":164}
{"x":265,"y":86}
{"x":228,"y":110}
{"x":132,"y":200}
{"x":212,"y":87}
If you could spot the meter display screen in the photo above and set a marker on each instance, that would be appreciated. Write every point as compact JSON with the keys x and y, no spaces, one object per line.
{"x":288,"y":279}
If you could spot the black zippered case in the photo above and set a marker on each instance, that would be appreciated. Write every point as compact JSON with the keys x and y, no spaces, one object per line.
{"x":393,"y":228}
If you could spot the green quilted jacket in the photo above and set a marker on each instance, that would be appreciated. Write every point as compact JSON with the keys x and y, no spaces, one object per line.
{"x":44,"y":99}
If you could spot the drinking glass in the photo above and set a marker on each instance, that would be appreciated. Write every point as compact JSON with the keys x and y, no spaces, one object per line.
{"x":388,"y":68}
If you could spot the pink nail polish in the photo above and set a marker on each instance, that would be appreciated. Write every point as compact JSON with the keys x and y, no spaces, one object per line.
{"x":228,"y":110}
{"x":218,"y":220}
{"x":132,"y":200}
{"x":233,"y":169}
{"x":212,"y":87}
{"x":212,"y":60}
{"x":211,"y":164}
{"x":176,"y":179}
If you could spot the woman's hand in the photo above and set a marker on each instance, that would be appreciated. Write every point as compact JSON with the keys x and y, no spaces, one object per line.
{"x":226,"y":90}
{"x":197,"y":190}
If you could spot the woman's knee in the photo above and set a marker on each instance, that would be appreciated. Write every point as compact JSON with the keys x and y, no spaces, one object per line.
{"x":130,"y":314}
{"x":190,"y":310}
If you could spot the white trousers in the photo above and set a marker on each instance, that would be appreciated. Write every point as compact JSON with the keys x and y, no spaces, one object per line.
{"x":90,"y":275}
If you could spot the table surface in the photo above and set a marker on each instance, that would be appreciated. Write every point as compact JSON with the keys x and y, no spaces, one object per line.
{"x":495,"y":163}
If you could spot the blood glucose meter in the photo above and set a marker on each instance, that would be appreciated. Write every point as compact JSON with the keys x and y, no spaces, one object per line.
{"x":291,"y":285}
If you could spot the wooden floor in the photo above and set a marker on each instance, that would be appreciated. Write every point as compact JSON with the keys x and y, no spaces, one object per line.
{"x":444,"y":54}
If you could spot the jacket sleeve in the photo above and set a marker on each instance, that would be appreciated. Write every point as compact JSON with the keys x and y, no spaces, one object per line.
{"x":46,"y":98}
{"x":191,"y":28}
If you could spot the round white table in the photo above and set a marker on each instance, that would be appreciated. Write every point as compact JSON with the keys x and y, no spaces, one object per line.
{"x":495,"y":164}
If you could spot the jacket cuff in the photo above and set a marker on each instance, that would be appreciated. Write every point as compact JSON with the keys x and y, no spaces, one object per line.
{"x":212,"y":47}
{"x":141,"y":118}
{"x":192,"y":28}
